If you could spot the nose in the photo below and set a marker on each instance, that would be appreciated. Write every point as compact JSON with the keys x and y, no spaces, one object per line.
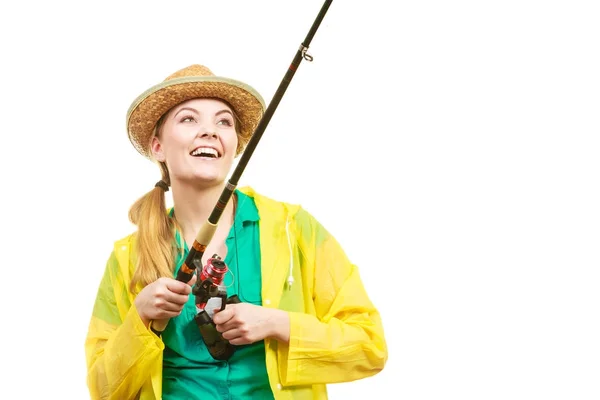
{"x":206,"y":133}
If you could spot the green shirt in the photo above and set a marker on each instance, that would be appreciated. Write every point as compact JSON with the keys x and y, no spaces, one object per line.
{"x":189,"y":372}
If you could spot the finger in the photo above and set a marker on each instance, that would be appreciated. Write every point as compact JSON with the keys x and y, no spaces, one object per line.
{"x":241,"y":340}
{"x":163,"y":314}
{"x":168,"y":306}
{"x":178,"y":287}
{"x":231,"y":334}
{"x":221,"y":317}
{"x":233,"y":329}
{"x":229,"y":325}
{"x":223,"y":327}
{"x":192,"y":281}
{"x":175,"y":298}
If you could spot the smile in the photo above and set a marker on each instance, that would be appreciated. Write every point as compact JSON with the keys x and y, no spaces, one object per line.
{"x":207,"y":152}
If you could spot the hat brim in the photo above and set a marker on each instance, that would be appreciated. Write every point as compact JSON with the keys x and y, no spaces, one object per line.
{"x":146,"y":109}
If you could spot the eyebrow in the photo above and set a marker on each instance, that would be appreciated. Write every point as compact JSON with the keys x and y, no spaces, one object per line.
{"x":196,"y":111}
{"x":224,"y":111}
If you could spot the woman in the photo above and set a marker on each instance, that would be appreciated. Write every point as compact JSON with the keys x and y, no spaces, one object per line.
{"x":304,"y":319}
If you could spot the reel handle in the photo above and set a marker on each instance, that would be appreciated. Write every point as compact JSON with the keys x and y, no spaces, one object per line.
{"x":218,"y":347}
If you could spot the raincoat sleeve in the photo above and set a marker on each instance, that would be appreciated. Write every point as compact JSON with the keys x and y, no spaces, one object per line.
{"x":344,"y":339}
{"x":120,"y":351}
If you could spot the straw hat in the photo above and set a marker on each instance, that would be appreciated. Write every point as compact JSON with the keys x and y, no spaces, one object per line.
{"x":188,"y":83}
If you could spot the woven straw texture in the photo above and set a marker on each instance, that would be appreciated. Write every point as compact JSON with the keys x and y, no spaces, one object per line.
{"x":188,"y":83}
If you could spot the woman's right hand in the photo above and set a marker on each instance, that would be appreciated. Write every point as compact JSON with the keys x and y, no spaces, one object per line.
{"x":163,"y":299}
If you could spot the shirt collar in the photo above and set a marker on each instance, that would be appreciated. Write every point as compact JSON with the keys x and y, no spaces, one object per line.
{"x":245,"y":213}
{"x":246,"y":210}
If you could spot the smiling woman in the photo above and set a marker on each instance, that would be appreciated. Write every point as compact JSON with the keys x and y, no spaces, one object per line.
{"x":201,"y":143}
{"x":299,"y":316}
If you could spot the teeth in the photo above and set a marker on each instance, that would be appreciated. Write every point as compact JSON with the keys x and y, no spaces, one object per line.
{"x":205,"y":150}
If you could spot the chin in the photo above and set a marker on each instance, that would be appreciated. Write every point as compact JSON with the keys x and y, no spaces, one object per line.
{"x":208,"y":177}
{"x":206,"y":180}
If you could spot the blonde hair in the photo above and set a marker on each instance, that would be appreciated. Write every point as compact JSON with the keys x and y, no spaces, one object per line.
{"x":155,"y":245}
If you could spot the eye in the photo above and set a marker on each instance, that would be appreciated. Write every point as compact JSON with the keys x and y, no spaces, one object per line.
{"x":188,"y":118}
{"x":225,"y":121}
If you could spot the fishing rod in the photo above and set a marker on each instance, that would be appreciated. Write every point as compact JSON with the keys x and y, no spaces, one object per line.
{"x":193,"y":260}
{"x":209,"y":284}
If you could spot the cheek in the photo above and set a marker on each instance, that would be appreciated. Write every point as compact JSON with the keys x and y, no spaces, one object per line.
{"x":176,"y":144}
{"x":175,"y":156}
{"x":234,"y":142}
{"x":229,"y":143}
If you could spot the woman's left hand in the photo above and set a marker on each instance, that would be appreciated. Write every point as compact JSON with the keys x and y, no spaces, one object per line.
{"x":244,"y":323}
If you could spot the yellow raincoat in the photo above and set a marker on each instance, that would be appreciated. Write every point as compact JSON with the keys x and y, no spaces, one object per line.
{"x":336,"y":333}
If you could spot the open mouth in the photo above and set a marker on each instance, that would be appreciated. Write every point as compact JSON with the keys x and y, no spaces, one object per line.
{"x":205,"y":152}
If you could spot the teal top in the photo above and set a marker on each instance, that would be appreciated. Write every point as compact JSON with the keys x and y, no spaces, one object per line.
{"x":189,"y":371}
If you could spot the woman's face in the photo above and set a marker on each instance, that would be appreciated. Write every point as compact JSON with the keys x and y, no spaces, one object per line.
{"x":198,"y":142}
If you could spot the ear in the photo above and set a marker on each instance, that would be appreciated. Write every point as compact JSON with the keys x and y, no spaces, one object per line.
{"x":157,"y":150}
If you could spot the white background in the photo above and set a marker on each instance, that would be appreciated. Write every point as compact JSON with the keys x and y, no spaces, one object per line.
{"x":451,"y":147}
